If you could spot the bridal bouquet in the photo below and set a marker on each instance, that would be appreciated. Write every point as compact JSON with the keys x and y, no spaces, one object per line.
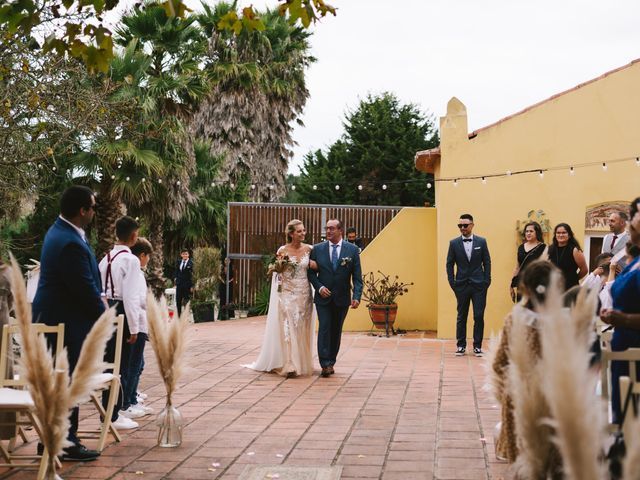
{"x":281,"y":264}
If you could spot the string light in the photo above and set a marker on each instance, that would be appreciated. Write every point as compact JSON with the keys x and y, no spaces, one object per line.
{"x":360,"y":187}
{"x":604,"y":167}
{"x":508,"y":173}
{"x":484,"y":181}
{"x":455,"y":182}
{"x":337,"y":187}
{"x":384,"y":187}
{"x":213,"y":184}
{"x":128,"y":178}
{"x":143,"y":180}
{"x":637,"y":161}
{"x":178,"y":183}
{"x":541,"y":174}
{"x":113,"y":177}
{"x":429,"y":185}
{"x":315,"y":187}
{"x":159,"y":180}
{"x":293,"y":187}
{"x":572,"y":171}
{"x":232,"y":185}
{"x":253,"y":186}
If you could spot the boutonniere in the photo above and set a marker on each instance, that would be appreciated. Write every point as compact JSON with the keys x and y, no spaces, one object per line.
{"x":345,"y":261}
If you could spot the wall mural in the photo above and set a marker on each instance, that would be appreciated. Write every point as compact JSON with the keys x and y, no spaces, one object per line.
{"x":535,"y":216}
{"x":597,"y":216}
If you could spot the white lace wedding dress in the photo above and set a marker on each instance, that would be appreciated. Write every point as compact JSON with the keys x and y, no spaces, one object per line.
{"x":288,"y":336}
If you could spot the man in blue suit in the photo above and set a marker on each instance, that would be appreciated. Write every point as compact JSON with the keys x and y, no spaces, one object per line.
{"x":470,"y":254}
{"x":338,"y":266}
{"x":69,"y":290}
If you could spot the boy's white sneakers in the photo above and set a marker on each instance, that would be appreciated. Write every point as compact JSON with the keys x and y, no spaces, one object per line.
{"x":124,"y":423}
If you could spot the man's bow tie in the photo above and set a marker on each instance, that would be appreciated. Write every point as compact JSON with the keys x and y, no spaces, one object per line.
{"x":467,"y":239}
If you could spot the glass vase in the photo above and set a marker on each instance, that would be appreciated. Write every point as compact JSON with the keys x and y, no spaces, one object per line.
{"x":170,"y":425}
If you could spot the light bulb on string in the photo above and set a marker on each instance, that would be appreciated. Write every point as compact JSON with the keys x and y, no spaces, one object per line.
{"x":508,"y":173}
{"x":293,"y":187}
{"x":360,"y":187}
{"x":315,"y":187}
{"x":572,"y":171}
{"x":113,"y":177}
{"x":271,"y":187}
{"x":541,"y":174}
{"x":384,"y":187}
{"x":637,"y":161}
{"x":604,"y":167}
{"x":429,"y":185}
{"x":128,"y":178}
{"x":178,"y":183}
{"x":159,"y":180}
{"x":143,"y":180}
{"x":455,"y":182}
{"x":337,"y":187}
{"x":253,"y":186}
{"x":484,"y":181}
{"x":232,"y":185}
{"x":213,"y":184}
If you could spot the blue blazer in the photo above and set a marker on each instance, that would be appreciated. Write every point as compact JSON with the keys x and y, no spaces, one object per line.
{"x":339,"y":282}
{"x":69,"y":290}
{"x":477,"y":271}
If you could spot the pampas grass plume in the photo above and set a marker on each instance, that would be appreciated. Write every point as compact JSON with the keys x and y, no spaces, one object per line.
{"x":569,"y":386}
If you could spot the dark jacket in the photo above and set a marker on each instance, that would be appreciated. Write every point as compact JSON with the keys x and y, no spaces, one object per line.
{"x":184,"y":278}
{"x":339,"y":282}
{"x":476,"y":272}
{"x":69,"y":286}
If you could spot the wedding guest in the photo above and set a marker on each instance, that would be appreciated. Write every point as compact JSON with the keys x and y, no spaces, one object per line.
{"x":625,"y":314}
{"x":119,"y":273}
{"x":352,"y":237}
{"x":7,"y":419}
{"x":566,"y":254}
{"x":470,"y":256}
{"x":534,"y":282}
{"x":531,"y":249}
{"x":142,"y":249}
{"x":225,"y":311}
{"x":69,"y":289}
{"x":616,"y":241}
{"x":184,"y":280}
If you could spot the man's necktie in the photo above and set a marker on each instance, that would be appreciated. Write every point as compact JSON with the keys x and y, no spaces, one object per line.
{"x":334,"y":256}
{"x":182,"y":265}
{"x":613,"y":242}
{"x":466,"y":239}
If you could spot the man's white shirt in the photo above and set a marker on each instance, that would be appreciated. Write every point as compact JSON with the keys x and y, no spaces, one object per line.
{"x":128,"y":285}
{"x":77,"y":229}
{"x":468,"y":246}
{"x":337,"y":249}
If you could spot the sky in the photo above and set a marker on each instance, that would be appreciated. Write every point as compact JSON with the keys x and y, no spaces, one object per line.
{"x":496,"y":56}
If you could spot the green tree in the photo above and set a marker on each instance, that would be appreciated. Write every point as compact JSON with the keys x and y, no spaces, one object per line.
{"x":373,"y":161}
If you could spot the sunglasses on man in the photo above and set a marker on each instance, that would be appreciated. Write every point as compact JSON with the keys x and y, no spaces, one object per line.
{"x":464,"y":225}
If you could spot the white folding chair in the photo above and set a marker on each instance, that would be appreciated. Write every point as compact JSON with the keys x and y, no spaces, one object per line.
{"x":14,"y":397}
{"x":108,"y":381}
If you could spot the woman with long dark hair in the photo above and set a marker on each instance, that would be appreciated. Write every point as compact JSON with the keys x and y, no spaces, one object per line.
{"x":532,"y":248}
{"x":566,"y":254}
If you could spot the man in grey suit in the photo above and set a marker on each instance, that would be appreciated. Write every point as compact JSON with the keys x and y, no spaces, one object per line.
{"x":338,"y":266}
{"x":470,"y":255}
{"x":616,"y":241}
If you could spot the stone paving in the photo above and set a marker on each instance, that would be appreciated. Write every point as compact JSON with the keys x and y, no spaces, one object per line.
{"x":397,"y":408}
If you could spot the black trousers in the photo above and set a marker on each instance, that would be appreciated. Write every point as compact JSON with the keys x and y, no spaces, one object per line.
{"x":330,"y":319}
{"x":183,"y":295}
{"x":478,"y":296}
{"x":109,"y":355}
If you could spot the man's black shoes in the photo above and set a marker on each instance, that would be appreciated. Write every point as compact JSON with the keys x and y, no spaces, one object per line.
{"x":75,"y":453}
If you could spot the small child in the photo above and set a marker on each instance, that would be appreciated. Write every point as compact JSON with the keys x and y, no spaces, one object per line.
{"x":142,"y":249}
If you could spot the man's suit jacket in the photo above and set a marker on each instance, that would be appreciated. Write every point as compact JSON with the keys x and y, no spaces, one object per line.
{"x":184,"y":277}
{"x":338,"y":282}
{"x":69,"y":289}
{"x":477,"y":271}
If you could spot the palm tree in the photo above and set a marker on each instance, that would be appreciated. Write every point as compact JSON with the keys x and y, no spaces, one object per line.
{"x":258,"y":90}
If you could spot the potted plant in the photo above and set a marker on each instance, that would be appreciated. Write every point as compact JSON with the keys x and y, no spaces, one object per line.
{"x":206,"y":266}
{"x":381,"y":292}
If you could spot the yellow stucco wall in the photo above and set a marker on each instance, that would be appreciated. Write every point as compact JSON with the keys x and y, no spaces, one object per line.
{"x":406,"y":247}
{"x":597,"y":122}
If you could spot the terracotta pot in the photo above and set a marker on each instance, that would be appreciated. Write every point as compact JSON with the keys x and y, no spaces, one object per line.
{"x":379,"y":312}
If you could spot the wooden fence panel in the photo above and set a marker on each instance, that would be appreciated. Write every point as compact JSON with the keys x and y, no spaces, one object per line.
{"x":255,"y":230}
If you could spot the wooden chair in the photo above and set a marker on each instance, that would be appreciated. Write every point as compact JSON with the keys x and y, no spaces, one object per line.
{"x":108,"y":381}
{"x":14,"y":397}
{"x":627,"y":384}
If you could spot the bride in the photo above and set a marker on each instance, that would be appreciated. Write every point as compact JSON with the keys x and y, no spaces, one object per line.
{"x":288,"y":337}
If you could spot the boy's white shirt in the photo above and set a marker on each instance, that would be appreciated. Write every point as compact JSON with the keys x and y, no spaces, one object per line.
{"x":125,"y":270}
{"x":141,"y":286}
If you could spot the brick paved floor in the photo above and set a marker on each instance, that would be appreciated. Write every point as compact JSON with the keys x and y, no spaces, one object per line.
{"x":397,"y":408}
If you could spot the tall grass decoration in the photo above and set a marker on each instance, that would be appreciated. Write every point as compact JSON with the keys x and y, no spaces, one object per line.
{"x":53,"y":393}
{"x":168,"y":342}
{"x":568,"y":384}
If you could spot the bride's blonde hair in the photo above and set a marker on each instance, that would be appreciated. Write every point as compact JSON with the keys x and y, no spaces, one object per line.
{"x":291,"y":227}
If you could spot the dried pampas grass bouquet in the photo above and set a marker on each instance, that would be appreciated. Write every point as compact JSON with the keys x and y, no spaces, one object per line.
{"x":168,"y":341}
{"x":53,"y":393}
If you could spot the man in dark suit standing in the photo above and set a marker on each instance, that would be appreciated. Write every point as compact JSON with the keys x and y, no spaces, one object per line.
{"x":338,"y":265}
{"x":69,"y":289}
{"x":470,"y":254}
{"x":184,"y":279}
